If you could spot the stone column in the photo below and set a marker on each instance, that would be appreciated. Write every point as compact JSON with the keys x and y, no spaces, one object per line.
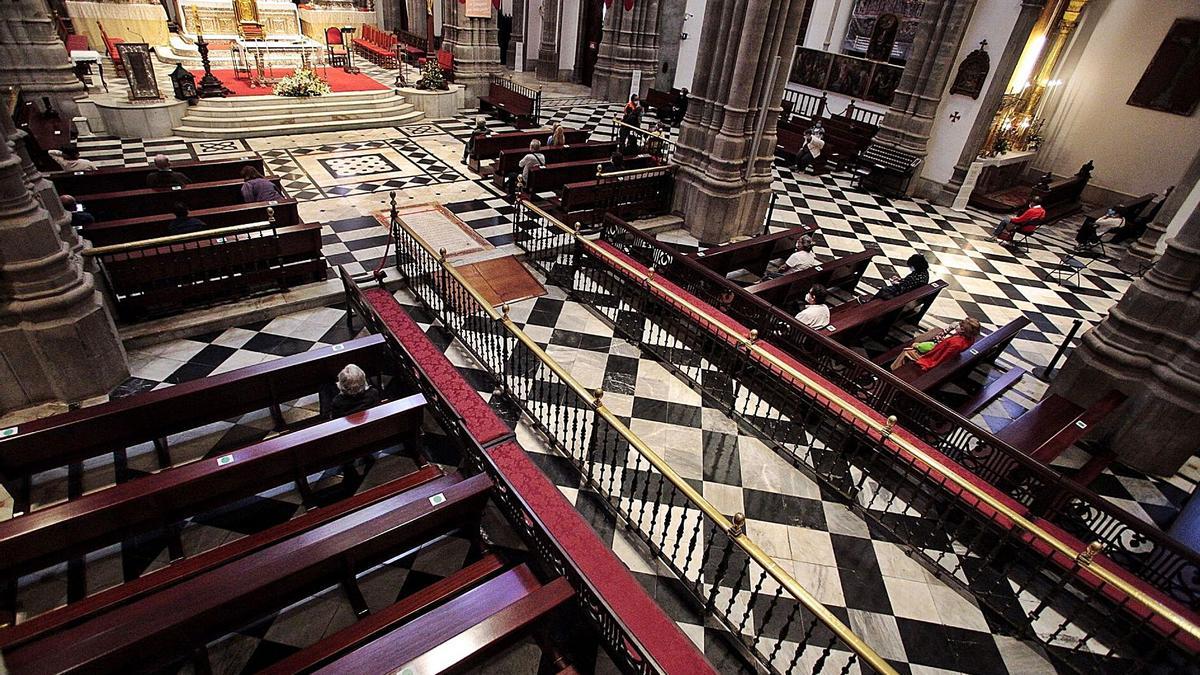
{"x":992,"y":98}
{"x":547,"y":56}
{"x":34,"y":59}
{"x":930,"y":64}
{"x":723,"y":186}
{"x":517,"y":34}
{"x":474,"y":45}
{"x":1143,"y":251}
{"x":630,"y":43}
{"x":57,"y":340}
{"x":1147,"y":348}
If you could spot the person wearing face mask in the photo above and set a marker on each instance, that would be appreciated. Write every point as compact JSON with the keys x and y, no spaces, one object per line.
{"x":815,"y":313}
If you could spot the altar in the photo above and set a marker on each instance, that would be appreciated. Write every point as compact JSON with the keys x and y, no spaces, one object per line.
{"x":259,"y":60}
{"x":219,"y":19}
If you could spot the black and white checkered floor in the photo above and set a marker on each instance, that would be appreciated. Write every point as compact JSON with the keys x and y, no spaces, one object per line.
{"x":901,"y":609}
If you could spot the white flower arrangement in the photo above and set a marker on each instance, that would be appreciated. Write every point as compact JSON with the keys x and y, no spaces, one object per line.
{"x":302,"y":83}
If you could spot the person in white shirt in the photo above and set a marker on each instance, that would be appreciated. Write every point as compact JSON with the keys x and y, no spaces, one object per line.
{"x":802,"y":258}
{"x":815,"y":142}
{"x":68,"y":158}
{"x":815,"y":313}
{"x":533,"y":158}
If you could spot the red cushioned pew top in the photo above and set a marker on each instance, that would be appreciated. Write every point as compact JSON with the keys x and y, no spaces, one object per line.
{"x":482,"y":422}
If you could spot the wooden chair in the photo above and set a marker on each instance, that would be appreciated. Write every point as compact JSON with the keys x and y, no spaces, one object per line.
{"x":110,"y":47}
{"x":335,"y":47}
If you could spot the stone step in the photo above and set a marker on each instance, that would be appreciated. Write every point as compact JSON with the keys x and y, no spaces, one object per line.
{"x":221,"y":119}
{"x":658,"y":224}
{"x":271,"y":101}
{"x":305,"y":128}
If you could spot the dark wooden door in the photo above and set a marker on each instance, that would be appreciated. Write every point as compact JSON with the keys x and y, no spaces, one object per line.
{"x":592,"y":30}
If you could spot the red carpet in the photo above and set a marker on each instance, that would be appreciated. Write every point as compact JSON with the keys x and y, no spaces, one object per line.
{"x":338,"y":79}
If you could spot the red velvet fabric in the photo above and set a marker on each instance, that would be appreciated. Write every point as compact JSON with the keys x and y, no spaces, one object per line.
{"x":339,"y":81}
{"x":481,"y":421}
{"x":612,"y":582}
{"x":953,"y":467}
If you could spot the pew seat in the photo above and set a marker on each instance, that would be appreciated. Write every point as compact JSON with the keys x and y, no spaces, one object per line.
{"x":81,"y":184}
{"x":509,"y":160}
{"x":489,"y":147}
{"x":990,"y":392}
{"x":752,"y":255}
{"x":1055,"y":424}
{"x":155,"y":225}
{"x":841,"y":274}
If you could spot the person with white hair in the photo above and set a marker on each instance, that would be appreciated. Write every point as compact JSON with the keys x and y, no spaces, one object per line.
{"x":479,"y":131}
{"x":164,"y":176}
{"x":801,"y":259}
{"x":355,"y":393}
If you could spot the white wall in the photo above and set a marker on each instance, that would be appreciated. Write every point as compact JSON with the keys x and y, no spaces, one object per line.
{"x":992,"y":20}
{"x":568,"y":34}
{"x":824,"y":13}
{"x":1136,"y":150}
{"x":689,"y":49}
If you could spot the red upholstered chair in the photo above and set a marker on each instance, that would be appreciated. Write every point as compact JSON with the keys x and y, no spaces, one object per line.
{"x":110,"y":47}
{"x":335,"y":47}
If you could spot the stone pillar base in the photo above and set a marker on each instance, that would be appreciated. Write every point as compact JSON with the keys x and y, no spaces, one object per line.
{"x":716,"y":215}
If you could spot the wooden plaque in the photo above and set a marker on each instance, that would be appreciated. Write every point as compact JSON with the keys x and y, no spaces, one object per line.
{"x":139,"y":71}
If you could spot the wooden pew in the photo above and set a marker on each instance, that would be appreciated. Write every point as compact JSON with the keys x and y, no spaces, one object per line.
{"x":78,"y":435}
{"x":985,"y":351}
{"x":512,"y":101}
{"x":142,"y":201}
{"x":509,"y":160}
{"x":630,"y":196}
{"x":869,"y":316}
{"x":186,"y":568}
{"x":457,"y":634}
{"x":551,"y":177}
{"x":843,"y":273}
{"x":489,"y":147}
{"x":412,"y":46}
{"x":154,"y":278}
{"x":155,"y":225}
{"x":167,"y":626}
{"x":1055,"y":423}
{"x":752,"y":254}
{"x":118,"y":179}
{"x":1061,"y":197}
{"x":989,"y":392}
{"x":159,"y":501}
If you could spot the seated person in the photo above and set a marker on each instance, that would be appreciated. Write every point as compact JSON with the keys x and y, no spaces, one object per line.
{"x":79,"y":217}
{"x":815,"y":313}
{"x":814,"y":141}
{"x":256,"y":188}
{"x":68,"y":158}
{"x":163,"y":176}
{"x":183,"y":222}
{"x":355,"y":394}
{"x":557,"y":137}
{"x":801,"y":259}
{"x":1090,"y":232}
{"x":616,"y":162}
{"x":479,"y":130}
{"x":533,"y":158}
{"x":918,"y":275}
{"x":1031,"y":216}
{"x":932,"y":347}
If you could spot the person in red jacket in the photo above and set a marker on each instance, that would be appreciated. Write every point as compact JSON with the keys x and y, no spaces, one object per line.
{"x":936,"y":346}
{"x":1007,"y":226}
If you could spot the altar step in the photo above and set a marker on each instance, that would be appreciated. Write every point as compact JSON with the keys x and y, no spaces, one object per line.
{"x":254,"y":116}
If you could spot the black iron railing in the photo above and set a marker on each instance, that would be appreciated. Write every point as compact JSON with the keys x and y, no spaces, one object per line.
{"x":1004,"y":534}
{"x":777,"y":623}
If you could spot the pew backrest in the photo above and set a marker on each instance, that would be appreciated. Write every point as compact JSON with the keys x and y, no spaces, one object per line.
{"x":852,"y":320}
{"x":143,"y":201}
{"x":118,"y":179}
{"x":489,"y":147}
{"x":752,"y":254}
{"x":985,"y":350}
{"x":509,"y":160}
{"x":162,"y":499}
{"x":84,"y":433}
{"x":286,"y":213}
{"x":843,"y":274}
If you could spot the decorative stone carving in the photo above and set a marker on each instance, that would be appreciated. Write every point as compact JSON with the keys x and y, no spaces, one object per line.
{"x":972,"y":72}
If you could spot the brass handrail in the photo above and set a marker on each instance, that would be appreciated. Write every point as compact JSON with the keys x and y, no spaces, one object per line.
{"x":173,"y":238}
{"x":785,"y":580}
{"x":885,"y":429}
{"x":617,"y":121}
{"x":634,"y":172}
